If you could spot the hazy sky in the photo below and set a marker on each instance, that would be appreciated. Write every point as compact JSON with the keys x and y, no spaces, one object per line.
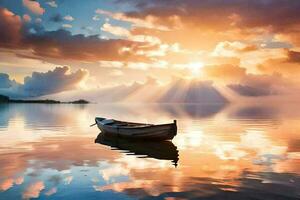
{"x":249,"y":48}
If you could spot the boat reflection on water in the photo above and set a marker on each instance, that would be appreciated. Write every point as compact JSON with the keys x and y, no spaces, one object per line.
{"x":162,"y":150}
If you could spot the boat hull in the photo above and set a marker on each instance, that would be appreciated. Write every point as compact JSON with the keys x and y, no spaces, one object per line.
{"x":149,"y":132}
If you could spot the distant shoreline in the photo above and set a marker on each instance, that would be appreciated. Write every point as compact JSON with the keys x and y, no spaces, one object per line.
{"x":6,"y":99}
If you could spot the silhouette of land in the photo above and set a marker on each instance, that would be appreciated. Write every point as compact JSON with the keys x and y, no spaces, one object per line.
{"x":6,"y":99}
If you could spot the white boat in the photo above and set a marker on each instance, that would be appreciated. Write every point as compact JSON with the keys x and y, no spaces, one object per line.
{"x":133,"y":130}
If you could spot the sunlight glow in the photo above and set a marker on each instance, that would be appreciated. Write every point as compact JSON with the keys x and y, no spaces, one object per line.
{"x":195,"y":68}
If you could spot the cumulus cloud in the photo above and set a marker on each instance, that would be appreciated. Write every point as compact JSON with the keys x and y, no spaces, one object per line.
{"x":34,"y":7}
{"x":5,"y":82}
{"x":38,"y":84}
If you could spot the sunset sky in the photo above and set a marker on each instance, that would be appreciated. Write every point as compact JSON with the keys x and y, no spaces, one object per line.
{"x":223,"y":48}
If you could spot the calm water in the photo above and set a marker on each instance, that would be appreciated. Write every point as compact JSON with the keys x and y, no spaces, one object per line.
{"x":220,"y":152}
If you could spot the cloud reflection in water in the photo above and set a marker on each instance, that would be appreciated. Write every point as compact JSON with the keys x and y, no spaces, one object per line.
{"x":46,"y":152}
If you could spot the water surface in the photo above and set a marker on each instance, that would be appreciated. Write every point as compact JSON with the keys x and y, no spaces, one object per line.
{"x":220,"y":152}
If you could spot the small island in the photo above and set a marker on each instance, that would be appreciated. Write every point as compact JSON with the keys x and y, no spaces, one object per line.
{"x":6,"y":99}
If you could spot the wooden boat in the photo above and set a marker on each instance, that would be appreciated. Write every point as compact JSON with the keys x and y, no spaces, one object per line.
{"x":139,"y":131}
{"x":161,"y":150}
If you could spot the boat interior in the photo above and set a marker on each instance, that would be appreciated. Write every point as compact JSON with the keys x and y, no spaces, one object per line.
{"x":112,"y":122}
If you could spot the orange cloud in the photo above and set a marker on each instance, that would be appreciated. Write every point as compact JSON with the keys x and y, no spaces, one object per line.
{"x":34,"y":7}
{"x":10,"y":25}
{"x":227,"y":73}
{"x":231,"y":49}
{"x":33,"y":190}
{"x":288,"y":64}
{"x":6,"y":184}
{"x":208,"y":22}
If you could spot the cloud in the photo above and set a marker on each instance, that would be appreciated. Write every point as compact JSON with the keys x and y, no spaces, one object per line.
{"x":38,"y":84}
{"x":233,"y":13}
{"x":231,"y":49}
{"x":262,"y":85}
{"x":33,"y":190}
{"x":148,"y":22}
{"x":226,"y":72}
{"x":123,"y":32}
{"x":246,"y":90}
{"x":9,"y":183}
{"x":69,"y":18}
{"x":208,"y":22}
{"x":52,"y":4}
{"x":34,"y":7}
{"x":26,"y":18}
{"x":6,"y":184}
{"x":67,"y":26}
{"x":38,"y":20}
{"x":287,"y":64}
{"x":115,"y":30}
{"x":5,"y":82}
{"x":51,"y":191}
{"x":10,"y":25}
{"x":62,"y":44}
{"x":52,"y":81}
{"x":293,"y":56}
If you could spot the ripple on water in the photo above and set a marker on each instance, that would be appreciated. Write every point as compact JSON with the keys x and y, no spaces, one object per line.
{"x":50,"y":151}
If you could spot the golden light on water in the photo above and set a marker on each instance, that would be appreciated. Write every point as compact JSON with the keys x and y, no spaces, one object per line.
{"x":208,"y":149}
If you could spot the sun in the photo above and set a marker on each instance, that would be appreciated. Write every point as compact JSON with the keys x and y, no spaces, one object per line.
{"x":195,"y":68}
